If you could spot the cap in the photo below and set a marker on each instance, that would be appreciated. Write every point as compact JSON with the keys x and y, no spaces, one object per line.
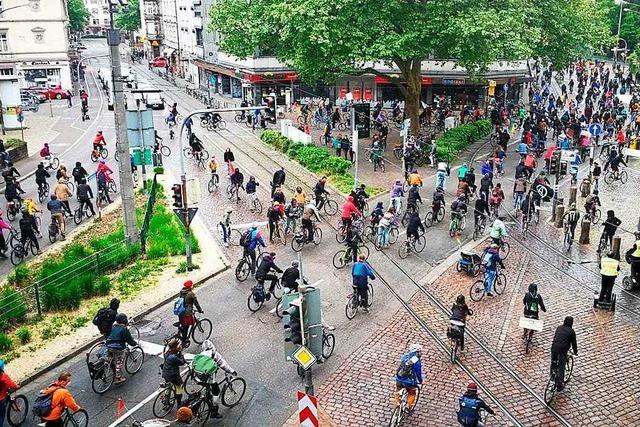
{"x":188,"y":284}
{"x":184,"y":414}
{"x":472,"y":386}
{"x":415,"y":347}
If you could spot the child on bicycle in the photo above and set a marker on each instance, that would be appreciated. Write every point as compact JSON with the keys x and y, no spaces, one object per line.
{"x":173,"y":360}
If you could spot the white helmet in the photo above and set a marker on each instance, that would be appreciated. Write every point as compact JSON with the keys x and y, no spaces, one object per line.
{"x":415,"y":348}
{"x":208,"y":345}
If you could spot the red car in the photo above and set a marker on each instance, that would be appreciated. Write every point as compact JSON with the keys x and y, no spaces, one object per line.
{"x":51,"y":93}
{"x":158,"y":62}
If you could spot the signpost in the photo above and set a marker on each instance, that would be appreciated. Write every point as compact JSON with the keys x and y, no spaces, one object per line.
{"x":595,"y":129}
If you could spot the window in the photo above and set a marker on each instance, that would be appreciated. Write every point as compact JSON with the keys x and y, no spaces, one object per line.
{"x":199,"y":36}
{"x":6,"y":72}
{"x":4,"y":43}
{"x":95,"y":21}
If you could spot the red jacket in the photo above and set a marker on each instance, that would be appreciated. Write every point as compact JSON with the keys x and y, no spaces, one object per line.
{"x":348,"y":208}
{"x":6,"y":384}
{"x":103,"y":167}
{"x":99,"y":139}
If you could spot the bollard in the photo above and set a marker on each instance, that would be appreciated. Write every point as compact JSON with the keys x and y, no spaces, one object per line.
{"x":559,"y":215}
{"x":573,"y":194}
{"x":615,"y":247}
{"x":585,"y":189}
{"x":585,"y":228}
{"x":556,"y":203}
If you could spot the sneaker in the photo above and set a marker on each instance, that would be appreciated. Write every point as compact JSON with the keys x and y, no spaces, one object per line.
{"x":226,"y":244}
{"x":120,"y":380}
{"x":489,"y":294}
{"x":268,"y":296}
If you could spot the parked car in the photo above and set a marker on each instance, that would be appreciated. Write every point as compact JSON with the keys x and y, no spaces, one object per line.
{"x":29,"y":102}
{"x":55,"y":92}
{"x":158,"y":62}
{"x":40,"y":97}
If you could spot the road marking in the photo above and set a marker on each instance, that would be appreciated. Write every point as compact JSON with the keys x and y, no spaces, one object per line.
{"x":154,"y":349}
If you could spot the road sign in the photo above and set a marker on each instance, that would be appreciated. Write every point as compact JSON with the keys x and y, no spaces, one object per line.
{"x":308,"y":410}
{"x":595,"y":129}
{"x":304,"y":357}
{"x":182,"y":214}
{"x":567,"y":156}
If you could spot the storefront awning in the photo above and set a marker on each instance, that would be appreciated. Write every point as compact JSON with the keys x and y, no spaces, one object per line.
{"x":244,"y":75}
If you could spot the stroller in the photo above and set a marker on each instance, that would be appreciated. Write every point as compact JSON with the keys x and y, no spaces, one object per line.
{"x":469,"y":262}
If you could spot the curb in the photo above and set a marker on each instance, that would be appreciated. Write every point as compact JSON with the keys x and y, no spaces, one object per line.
{"x":88,"y":345}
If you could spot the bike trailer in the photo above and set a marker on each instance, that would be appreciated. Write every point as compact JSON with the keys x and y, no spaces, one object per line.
{"x":469,"y":262}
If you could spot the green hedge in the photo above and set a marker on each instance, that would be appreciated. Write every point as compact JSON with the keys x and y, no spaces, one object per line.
{"x":453,"y":141}
{"x":317,"y":160}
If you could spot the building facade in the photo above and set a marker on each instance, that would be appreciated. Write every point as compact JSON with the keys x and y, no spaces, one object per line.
{"x":151,"y":27}
{"x":99,"y":20}
{"x":34,"y":50}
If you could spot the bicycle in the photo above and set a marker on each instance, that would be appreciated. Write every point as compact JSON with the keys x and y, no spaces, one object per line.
{"x":354,"y":303}
{"x":480,"y":226}
{"x":299,"y":239}
{"x":344,"y":256}
{"x":612,"y":176}
{"x":279,"y":234}
{"x":70,"y":185}
{"x":100,"y":152}
{"x":408,"y":213}
{"x":220,"y":125}
{"x":411,"y":244}
{"x":479,"y":288}
{"x":103,"y":371}
{"x":43,"y":192}
{"x":551,"y":388}
{"x":79,"y":214}
{"x":329,"y":206}
{"x":231,"y":393}
{"x":54,"y":161}
{"x":594,"y":215}
{"x":198,"y":160}
{"x":568,"y":236}
{"x":377,"y":237}
{"x":198,"y":332}
{"x":430,"y":217}
{"x":402,"y":410}
{"x":603,"y":244}
{"x":455,"y":333}
{"x":257,"y":297}
{"x":17,"y":408}
{"x":457,"y":224}
{"x":328,"y":343}
{"x":13,"y":208}
{"x":189,"y":153}
{"x":80,"y":418}
{"x":166,"y":399}
{"x":378,"y":163}
{"x":54,"y":230}
{"x":212,"y":185}
{"x":21,"y":250}
{"x":233,"y":192}
{"x":256,"y":204}
{"x":164,"y":150}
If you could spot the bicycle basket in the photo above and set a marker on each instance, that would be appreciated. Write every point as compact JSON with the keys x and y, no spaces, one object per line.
{"x":95,"y":368}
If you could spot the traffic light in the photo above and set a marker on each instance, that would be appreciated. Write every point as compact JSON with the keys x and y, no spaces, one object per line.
{"x":554,"y":163}
{"x":313,"y":322}
{"x":292,"y":324}
{"x":563,"y":168}
{"x":177,"y":196}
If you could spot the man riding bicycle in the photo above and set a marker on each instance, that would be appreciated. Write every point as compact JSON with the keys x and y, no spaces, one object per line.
{"x":57,"y":210}
{"x":470,"y":406}
{"x":264,"y":272}
{"x":98,"y":143}
{"x":117,"y":342}
{"x":591,"y":203}
{"x":413,"y":197}
{"x":409,"y":375}
{"x":491,"y":259}
{"x":308,"y":214}
{"x":320,"y":192}
{"x":213,"y":169}
{"x":196,"y":146}
{"x":498,"y":231}
{"x":361,"y":272}
{"x":190,"y":302}
{"x":458,"y":208}
{"x":571,"y":218}
{"x":437,"y":201}
{"x":480,"y":210}
{"x":563,"y":340}
{"x":41,"y":176}
{"x":414,"y":227}
{"x":532,"y":305}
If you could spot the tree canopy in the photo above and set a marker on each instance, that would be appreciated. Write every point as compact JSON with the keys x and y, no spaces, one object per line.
{"x":128,"y":17}
{"x":78,"y":15}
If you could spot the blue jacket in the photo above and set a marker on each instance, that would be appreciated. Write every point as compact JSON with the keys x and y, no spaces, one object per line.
{"x":492,"y":259}
{"x":255,"y":240}
{"x":416,"y":377}
{"x":120,"y":337}
{"x":360,"y":272}
{"x":523,"y":148}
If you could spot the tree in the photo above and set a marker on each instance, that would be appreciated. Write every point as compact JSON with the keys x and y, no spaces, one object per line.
{"x":325,"y":39}
{"x":78,"y":15}
{"x":128,"y":17}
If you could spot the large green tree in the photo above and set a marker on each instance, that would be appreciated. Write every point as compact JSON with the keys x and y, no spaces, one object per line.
{"x":324,"y":39}
{"x":128,"y":17}
{"x":78,"y":15}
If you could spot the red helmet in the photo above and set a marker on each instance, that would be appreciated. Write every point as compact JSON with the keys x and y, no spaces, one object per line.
{"x":188,"y":284}
{"x":472,"y":386}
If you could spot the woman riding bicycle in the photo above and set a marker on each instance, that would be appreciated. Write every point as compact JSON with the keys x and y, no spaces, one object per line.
{"x":532,"y":305}
{"x":459,"y":312}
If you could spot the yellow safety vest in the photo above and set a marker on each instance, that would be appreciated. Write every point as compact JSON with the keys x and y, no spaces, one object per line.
{"x":636,"y":253}
{"x":609,"y":266}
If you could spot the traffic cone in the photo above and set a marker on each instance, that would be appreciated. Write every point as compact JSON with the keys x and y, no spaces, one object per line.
{"x":120,"y":408}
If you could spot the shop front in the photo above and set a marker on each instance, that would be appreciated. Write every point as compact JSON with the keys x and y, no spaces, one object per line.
{"x":57,"y":73}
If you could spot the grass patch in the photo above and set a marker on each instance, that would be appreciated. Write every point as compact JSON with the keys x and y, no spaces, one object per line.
{"x":23,"y":334}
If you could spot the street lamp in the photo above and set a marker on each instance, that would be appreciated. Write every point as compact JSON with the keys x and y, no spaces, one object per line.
{"x":33,"y":4}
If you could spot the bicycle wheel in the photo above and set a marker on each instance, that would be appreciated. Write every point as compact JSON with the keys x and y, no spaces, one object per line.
{"x":404,"y":250}
{"x":608,"y":177}
{"x":257,"y":205}
{"x":369,"y":294}
{"x":440,"y":215}
{"x":351,"y":308}
{"x":53,"y":232}
{"x":500,"y":283}
{"x":80,"y":418}
{"x":188,"y":153}
{"x":338,"y":259}
{"x":55,"y":163}
{"x":341,"y":235}
{"x":201,"y":331}
{"x":134,"y":331}
{"x":252,"y":304}
{"x":77,"y":216}
{"x":568,"y":369}
{"x":504,"y":250}
{"x":233,"y":392}
{"x":317,"y":236}
{"x":234,"y":237}
{"x":17,"y":255}
{"x":529,"y":338}
{"x":191,"y":386}
{"x":164,"y":402}
{"x":328,"y":344}
{"x":396,"y":417}
{"x":93,"y":355}
{"x":204,"y":155}
{"x":550,"y":390}
{"x":394,"y":233}
{"x":222,"y":125}
{"x":104,"y":378}
{"x":477,"y":290}
{"x":420,"y":244}
{"x":165,"y":150}
{"x":330,"y":207}
{"x":242,"y":270}
{"x":104,"y":153}
{"x":297,"y":243}
{"x":453,"y":226}
{"x":623,"y":177}
{"x":428,"y":219}
{"x":133,"y":360}
{"x":202,"y":413}
{"x":212,"y":186}
{"x":17,"y":410}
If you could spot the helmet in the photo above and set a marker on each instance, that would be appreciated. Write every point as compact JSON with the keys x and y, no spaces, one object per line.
{"x":229,"y":209}
{"x":415,"y":348}
{"x":472,"y":386}
{"x":294,"y":263}
{"x":122,"y":318}
{"x":184,"y":414}
{"x":188,"y":284}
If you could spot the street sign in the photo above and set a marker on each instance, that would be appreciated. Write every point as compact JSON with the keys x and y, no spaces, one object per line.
{"x":567,"y":156}
{"x":134,"y":125}
{"x":182,"y":215}
{"x":308,"y":410}
{"x":138,"y":159}
{"x":532,"y":324}
{"x":304,"y":357}
{"x":193,"y":190}
{"x":595,"y":129}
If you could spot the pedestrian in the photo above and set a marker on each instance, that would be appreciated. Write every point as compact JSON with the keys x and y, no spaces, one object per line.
{"x":609,"y":269}
{"x":69,"y":100}
{"x":344,"y":146}
{"x":278,"y":179}
{"x":61,"y":399}
{"x":335,"y":143}
{"x":228,"y":158}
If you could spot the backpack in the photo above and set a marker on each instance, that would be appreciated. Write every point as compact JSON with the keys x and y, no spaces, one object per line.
{"x":204,"y":366}
{"x":43,"y":152}
{"x":42,"y":406}
{"x":468,"y":412}
{"x":405,"y":370}
{"x":258,"y":294}
{"x":179,"y":307}
{"x":101,"y":316}
{"x":245,"y":239}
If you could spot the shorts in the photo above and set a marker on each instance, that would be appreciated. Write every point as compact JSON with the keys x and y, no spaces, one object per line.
{"x":187,"y":320}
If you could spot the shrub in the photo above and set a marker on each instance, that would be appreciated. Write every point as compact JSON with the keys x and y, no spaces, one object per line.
{"x":449,"y":144}
{"x":13,"y":308}
{"x":20,"y":277}
{"x":158,"y":170}
{"x":6,"y":343}
{"x":103,"y":285}
{"x":24,"y":335}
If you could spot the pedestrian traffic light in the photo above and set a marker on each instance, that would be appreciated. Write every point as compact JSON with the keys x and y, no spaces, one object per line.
{"x":292,"y":323}
{"x":177,"y":196}
{"x":563,"y":168}
{"x":554,"y":163}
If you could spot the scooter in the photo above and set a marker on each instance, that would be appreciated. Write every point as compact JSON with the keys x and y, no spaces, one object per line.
{"x":611,"y":305}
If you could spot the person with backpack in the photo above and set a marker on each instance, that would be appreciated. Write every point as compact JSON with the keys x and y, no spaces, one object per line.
{"x":249,"y":240}
{"x":225,"y":224}
{"x":6,"y":384}
{"x":409,"y":375}
{"x":41,"y":176}
{"x":361,"y":272}
{"x":216,"y":362}
{"x":173,"y":360}
{"x":117,"y":342}
{"x":532,"y":305}
{"x":459,"y":311}
{"x":263,"y":272}
{"x":79,"y":173}
{"x":470,"y":406}
{"x":105,"y":317}
{"x":183,"y":308}
{"x":184,"y":415}
{"x":52,"y":402}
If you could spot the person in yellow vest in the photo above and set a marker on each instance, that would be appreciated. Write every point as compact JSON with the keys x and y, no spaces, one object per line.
{"x":609,"y":269}
{"x":633,"y":258}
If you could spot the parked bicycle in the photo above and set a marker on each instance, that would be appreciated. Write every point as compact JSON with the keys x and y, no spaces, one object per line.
{"x":103,"y":371}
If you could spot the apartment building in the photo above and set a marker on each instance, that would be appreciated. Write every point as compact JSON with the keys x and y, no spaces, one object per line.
{"x":100,"y":20}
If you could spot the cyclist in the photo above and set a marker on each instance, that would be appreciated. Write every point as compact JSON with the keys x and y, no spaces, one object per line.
{"x":190,"y":301}
{"x":414,"y":227}
{"x":571,"y":218}
{"x":63,"y":193}
{"x":237,"y":179}
{"x":278,"y":179}
{"x":486,"y":184}
{"x":184,"y":415}
{"x":308,"y":214}
{"x":384,"y":226}
{"x":263,"y":272}
{"x":413,"y":197}
{"x":320,"y":192}
{"x":62,"y":173}
{"x":348,"y":210}
{"x":397,"y":193}
{"x":210,"y":350}
{"x":32,"y":209}
{"x":293,"y":212}
{"x":487,"y":167}
{"x":610,"y":226}
{"x":6,"y":384}
{"x":615,"y":163}
{"x":45,"y":152}
{"x":196,"y":146}
{"x":470,"y":406}
{"x":300,"y":196}
{"x":253,"y":240}
{"x":595,"y":173}
{"x":213,"y":169}
{"x":523,"y":149}
{"x":459,"y":311}
{"x":41,"y":176}
{"x":274,"y":215}
{"x":463,"y":190}
{"x":563,"y":340}
{"x":480,"y":210}
{"x":498,"y":231}
{"x":519,"y":188}
{"x":79,"y":173}
{"x":251,"y":190}
{"x":361,"y":272}
{"x":225,"y":224}
{"x":470,"y":178}
{"x":278,"y":196}
{"x":441,"y":175}
{"x":532,"y":305}
{"x":409,"y":375}
{"x":491,"y":259}
{"x":361,"y":196}
{"x":377,"y":214}
{"x":458,"y":208}
{"x":528,"y":206}
{"x":462,"y":172}
{"x":609,"y":269}
{"x":173,"y":360}
{"x":102,"y":177}
{"x":414,"y":178}
{"x":591,"y":202}
{"x":437,"y":201}
{"x":497,"y":196}
{"x":352,"y":239}
{"x":61,"y":399}
{"x":117,"y":342}
{"x":105,"y":317}
{"x":85,"y":194}
{"x":376,"y":154}
{"x":530,"y":164}
{"x":56,"y":208}
{"x":291,"y":276}
{"x":98,"y":143}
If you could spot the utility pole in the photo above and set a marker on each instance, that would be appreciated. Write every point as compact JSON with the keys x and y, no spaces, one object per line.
{"x":122,"y":143}
{"x":175,"y":4}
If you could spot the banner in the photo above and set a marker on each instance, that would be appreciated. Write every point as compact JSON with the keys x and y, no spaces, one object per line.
{"x":362,"y":122}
